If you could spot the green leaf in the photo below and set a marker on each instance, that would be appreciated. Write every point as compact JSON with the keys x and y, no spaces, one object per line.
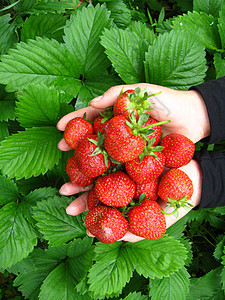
{"x":206,"y":286}
{"x":8,"y":190}
{"x":33,"y":198}
{"x":17,"y":236}
{"x":52,"y":6}
{"x":202,"y":26}
{"x":49,"y":25}
{"x":165,"y":67}
{"x":173,"y":287}
{"x":54,"y":223}
{"x":126,"y":52}
{"x":30,"y":153}
{"x":37,"y":61}
{"x":32,"y":109}
{"x":8,"y":36}
{"x":210,"y":7}
{"x":221,"y":25}
{"x":112,"y":269}
{"x":80,"y":257}
{"x":120,"y":14}
{"x":4,"y":132}
{"x":157,"y":258}
{"x":136,"y":296}
{"x":82,"y":35}
{"x":7,"y":105}
{"x":141,"y":29}
{"x":35,"y":269}
{"x":59,"y":284}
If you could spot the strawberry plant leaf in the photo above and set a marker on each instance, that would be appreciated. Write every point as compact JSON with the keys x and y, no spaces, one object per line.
{"x":201,"y":25}
{"x":30,"y":153}
{"x":157,"y":258}
{"x":127,"y":60}
{"x":8,"y":36}
{"x":33,"y":198}
{"x":4,"y":132}
{"x":136,"y":296}
{"x":37,"y":61}
{"x":54,"y":223}
{"x":45,"y":6}
{"x":49,"y":25}
{"x":62,"y":278}
{"x":8,"y":190}
{"x":221,"y":25}
{"x":7,"y":105}
{"x":173,"y":287}
{"x":82,"y":34}
{"x":206,"y":286}
{"x":32,"y":109}
{"x":176,"y":71}
{"x":112,"y":269}
{"x":141,"y":29}
{"x":17,"y":236}
{"x":210,"y":7}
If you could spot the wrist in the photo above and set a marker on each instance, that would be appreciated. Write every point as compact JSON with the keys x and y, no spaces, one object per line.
{"x":200,"y":114}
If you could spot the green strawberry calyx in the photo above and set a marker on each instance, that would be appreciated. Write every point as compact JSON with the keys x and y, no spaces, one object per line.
{"x":99,"y":148}
{"x":137,"y":126}
{"x":139,"y":100}
{"x":183,"y":202}
{"x":149,"y":150}
{"x":107,"y":114}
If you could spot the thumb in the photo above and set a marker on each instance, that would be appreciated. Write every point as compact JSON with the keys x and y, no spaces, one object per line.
{"x":108,"y":98}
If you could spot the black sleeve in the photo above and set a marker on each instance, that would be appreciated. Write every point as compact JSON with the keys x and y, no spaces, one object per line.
{"x":213,"y":93}
{"x":213,"y":178}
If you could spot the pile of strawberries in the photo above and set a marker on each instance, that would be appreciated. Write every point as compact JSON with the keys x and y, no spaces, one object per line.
{"x":123,"y":155}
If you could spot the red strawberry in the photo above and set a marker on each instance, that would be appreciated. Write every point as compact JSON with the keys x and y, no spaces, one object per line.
{"x":120,"y":141}
{"x":132,"y":102}
{"x":106,"y":223}
{"x":75,"y":174}
{"x":91,"y":158}
{"x":76,"y":130}
{"x":175,"y":187}
{"x":100,"y":123}
{"x":147,"y":220}
{"x":146,"y":169}
{"x":93,"y":200}
{"x":115,"y":189}
{"x":157,"y":131}
{"x":178,"y":150}
{"x":149,"y":188}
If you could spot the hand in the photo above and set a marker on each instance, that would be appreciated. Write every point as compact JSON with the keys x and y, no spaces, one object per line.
{"x":188,"y":115}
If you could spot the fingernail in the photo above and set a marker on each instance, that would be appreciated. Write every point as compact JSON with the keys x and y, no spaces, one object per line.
{"x":63,"y":190}
{"x":71,"y":210}
{"x":96,"y":99}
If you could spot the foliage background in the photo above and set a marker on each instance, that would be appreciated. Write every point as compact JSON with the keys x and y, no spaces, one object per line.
{"x":55,"y":57}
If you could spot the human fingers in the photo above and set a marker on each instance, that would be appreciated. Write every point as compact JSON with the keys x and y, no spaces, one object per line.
{"x":132,"y":238}
{"x":70,"y":188}
{"x":63,"y":146}
{"x":78,"y":206}
{"x":91,"y":114}
{"x":110,"y":96}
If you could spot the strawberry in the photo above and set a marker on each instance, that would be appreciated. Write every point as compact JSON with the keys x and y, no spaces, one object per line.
{"x":120,"y":141}
{"x":106,"y":223}
{"x":178,"y":150}
{"x":147,"y":167}
{"x":147,"y":220}
{"x":157,"y":131}
{"x":91,"y":157}
{"x":149,"y":189}
{"x":100,"y":123}
{"x":93,"y":200}
{"x":115,"y":189}
{"x":76,"y":130}
{"x":75,"y":174}
{"x":175,"y":187}
{"x":132,"y":102}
